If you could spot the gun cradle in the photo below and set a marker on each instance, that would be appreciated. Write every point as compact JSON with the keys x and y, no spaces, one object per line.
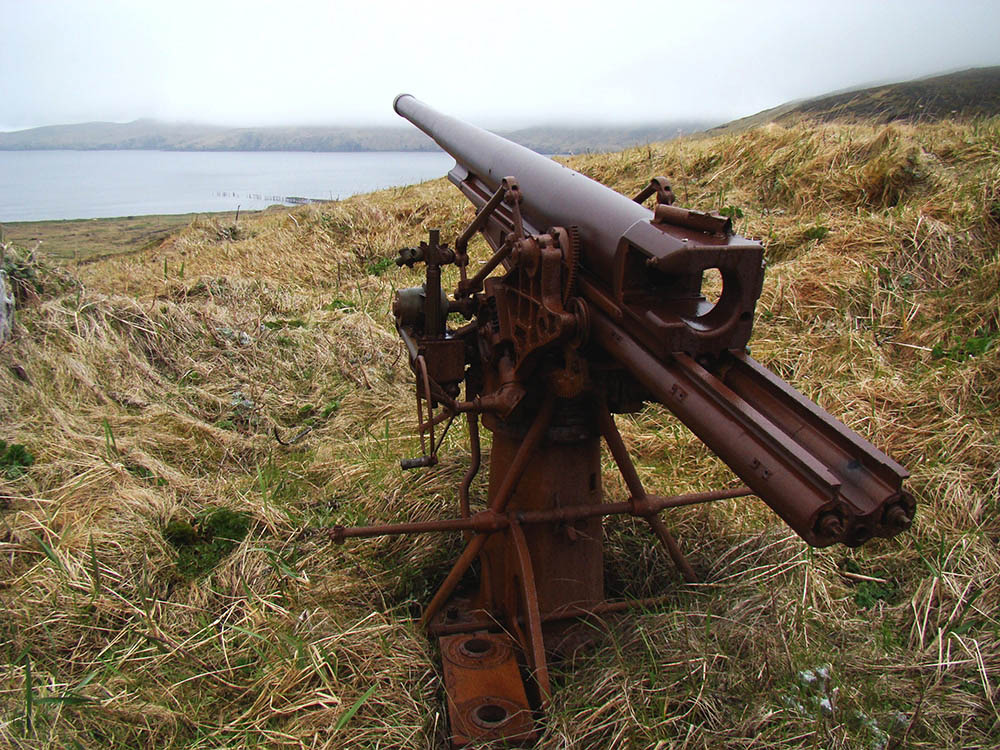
{"x":596,"y":307}
{"x":825,"y":481}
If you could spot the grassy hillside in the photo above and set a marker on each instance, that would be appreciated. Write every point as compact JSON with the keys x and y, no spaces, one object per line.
{"x":165,"y":576}
{"x":966,"y":94}
{"x":87,"y":239}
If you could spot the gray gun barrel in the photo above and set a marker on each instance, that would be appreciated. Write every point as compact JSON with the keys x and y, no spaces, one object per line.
{"x":565,"y":192}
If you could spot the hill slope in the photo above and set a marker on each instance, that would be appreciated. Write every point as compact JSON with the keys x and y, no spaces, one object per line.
{"x":968,"y":94}
{"x":151,"y":134}
{"x":148,"y":387}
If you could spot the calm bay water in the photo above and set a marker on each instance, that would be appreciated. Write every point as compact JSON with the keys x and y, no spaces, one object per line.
{"x":39,"y":185}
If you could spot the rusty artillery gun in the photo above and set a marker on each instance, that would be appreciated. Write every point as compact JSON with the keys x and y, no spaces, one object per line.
{"x":596,"y":306}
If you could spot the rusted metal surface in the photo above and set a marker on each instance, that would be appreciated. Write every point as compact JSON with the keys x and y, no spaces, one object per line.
{"x":562,"y":474}
{"x":469,"y":619}
{"x":660,"y":187}
{"x":638,"y":499}
{"x":827,"y":483}
{"x":486,"y":698}
{"x":529,"y":605}
{"x":591,"y":304}
{"x":618,"y":239}
{"x":489,"y":522}
{"x":498,"y":503}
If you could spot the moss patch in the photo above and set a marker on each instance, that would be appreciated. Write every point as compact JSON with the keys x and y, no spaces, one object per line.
{"x":14,"y":459}
{"x":203,"y":544}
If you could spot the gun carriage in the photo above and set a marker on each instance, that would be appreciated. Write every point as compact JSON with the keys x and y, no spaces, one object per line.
{"x":590,"y":305}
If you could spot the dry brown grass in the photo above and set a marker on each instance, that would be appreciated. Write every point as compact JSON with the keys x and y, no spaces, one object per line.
{"x":154,"y":390}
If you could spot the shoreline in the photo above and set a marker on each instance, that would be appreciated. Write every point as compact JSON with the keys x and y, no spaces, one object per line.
{"x":76,"y":240}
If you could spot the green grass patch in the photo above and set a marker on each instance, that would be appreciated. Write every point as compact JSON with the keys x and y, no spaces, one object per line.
{"x":974,"y":346}
{"x":379,"y":266}
{"x":290,"y":323}
{"x":141,"y":472}
{"x":90,"y":239}
{"x":868,"y":594}
{"x":202,"y":544}
{"x":14,"y":460}
{"x":338,"y":304}
{"x":817,"y":232}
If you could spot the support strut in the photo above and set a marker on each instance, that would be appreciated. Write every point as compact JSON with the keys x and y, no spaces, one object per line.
{"x":639,"y":499}
{"x":498,"y":504}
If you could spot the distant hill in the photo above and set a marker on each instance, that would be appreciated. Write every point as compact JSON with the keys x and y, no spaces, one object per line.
{"x":152,"y":134}
{"x":155,"y":135}
{"x":969,"y":93}
{"x":564,"y":139}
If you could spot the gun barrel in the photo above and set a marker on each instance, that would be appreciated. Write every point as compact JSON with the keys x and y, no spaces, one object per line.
{"x":602,"y":215}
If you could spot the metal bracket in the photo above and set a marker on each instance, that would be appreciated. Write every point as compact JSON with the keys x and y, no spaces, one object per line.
{"x":661,"y":187}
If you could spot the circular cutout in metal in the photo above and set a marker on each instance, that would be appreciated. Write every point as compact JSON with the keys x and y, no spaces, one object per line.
{"x":494,"y":716}
{"x":490,"y":715}
{"x":476,"y":648}
{"x":479,"y":651}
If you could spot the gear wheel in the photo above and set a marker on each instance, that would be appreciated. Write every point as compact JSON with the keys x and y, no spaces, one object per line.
{"x":571,"y":263}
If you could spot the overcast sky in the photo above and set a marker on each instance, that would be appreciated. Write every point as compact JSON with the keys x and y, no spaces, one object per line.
{"x":503,"y":63}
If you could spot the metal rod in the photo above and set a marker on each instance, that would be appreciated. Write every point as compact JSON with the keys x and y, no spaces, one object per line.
{"x":694,"y":498}
{"x":604,"y":608}
{"x":475,"y":284}
{"x":434,"y":315}
{"x":481,"y":218}
{"x":568,"y":612}
{"x":656,"y":502}
{"x":673,"y":549}
{"x":470,"y":474}
{"x":340,"y":533}
{"x":468,"y":556}
{"x":499,"y":503}
{"x":556,"y":515}
{"x":536,"y":642}
{"x":639,"y":500}
{"x":411,"y":348}
{"x":440,"y":418}
{"x":523,"y":455}
{"x":620,"y":453}
{"x":425,"y":379}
